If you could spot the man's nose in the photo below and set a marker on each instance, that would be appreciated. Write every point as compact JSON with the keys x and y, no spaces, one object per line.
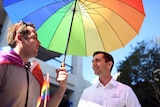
{"x":93,"y":63}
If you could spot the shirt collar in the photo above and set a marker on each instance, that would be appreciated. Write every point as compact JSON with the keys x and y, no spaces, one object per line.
{"x":112,"y":83}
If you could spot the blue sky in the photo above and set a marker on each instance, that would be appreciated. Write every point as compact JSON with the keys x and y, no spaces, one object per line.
{"x":149,"y":30}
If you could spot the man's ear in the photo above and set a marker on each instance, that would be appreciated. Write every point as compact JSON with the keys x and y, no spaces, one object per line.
{"x":18,"y":37}
{"x":110,"y":63}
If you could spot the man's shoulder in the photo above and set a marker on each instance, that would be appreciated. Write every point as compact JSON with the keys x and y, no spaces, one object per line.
{"x":4,"y":57}
{"x":91,"y":87}
{"x":120,"y":84}
{"x":10,"y":57}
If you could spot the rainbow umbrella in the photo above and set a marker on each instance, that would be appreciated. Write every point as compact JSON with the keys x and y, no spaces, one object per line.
{"x":80,"y":27}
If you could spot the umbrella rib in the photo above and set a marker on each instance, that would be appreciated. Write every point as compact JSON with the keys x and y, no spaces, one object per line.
{"x":132,"y":7}
{"x":125,"y":20}
{"x":60,"y":2}
{"x":106,"y":21}
{"x":56,"y":29}
{"x":59,"y":12}
{"x":70,"y":31}
{"x":13,"y":3}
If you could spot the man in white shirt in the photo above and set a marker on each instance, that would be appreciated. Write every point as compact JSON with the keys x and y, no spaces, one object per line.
{"x":107,"y":92}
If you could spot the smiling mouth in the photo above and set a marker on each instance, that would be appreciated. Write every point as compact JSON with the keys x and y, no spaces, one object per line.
{"x":95,"y":67}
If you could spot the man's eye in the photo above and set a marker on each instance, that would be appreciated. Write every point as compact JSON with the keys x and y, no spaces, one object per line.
{"x":34,"y":38}
{"x":97,"y":60}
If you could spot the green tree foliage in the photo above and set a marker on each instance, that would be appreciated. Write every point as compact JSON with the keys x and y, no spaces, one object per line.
{"x":141,"y":71}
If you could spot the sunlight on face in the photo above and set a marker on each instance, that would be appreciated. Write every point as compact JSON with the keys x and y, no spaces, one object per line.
{"x":98,"y":64}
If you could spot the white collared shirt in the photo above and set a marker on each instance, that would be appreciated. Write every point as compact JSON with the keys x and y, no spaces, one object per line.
{"x":114,"y":94}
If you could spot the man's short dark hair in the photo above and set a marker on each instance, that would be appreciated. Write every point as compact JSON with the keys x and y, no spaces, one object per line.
{"x":106,"y":56}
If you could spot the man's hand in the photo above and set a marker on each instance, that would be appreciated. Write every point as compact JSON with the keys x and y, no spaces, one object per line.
{"x":62,"y":76}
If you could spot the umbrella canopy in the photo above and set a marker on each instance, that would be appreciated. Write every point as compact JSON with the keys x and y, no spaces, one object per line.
{"x":43,"y":54}
{"x":83,"y":26}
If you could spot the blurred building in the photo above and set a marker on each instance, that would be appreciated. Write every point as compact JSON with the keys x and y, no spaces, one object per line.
{"x":76,"y":82}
